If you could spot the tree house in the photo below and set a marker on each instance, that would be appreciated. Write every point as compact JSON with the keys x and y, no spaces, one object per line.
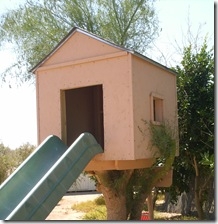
{"x":88,"y":84}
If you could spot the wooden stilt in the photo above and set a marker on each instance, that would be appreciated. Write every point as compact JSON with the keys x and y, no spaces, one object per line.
{"x":150,"y":206}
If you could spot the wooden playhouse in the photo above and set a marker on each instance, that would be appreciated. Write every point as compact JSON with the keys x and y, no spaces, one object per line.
{"x":87,"y":84}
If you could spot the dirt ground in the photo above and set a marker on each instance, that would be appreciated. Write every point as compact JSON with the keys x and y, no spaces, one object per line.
{"x":63,"y":210}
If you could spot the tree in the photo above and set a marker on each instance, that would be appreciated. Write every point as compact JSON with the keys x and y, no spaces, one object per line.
{"x":132,"y":24}
{"x":11,"y":159}
{"x":194,"y":167}
{"x":22,"y":153}
{"x":5,"y":162}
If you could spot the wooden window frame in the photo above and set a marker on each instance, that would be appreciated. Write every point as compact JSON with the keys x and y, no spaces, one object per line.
{"x":157,"y":108}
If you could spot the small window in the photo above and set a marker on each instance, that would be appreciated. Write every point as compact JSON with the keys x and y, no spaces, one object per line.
{"x":156,"y":108}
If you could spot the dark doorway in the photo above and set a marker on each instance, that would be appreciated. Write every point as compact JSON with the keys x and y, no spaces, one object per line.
{"x":84,"y":113}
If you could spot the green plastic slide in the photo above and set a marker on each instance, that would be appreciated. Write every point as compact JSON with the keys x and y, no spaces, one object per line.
{"x":38,"y":184}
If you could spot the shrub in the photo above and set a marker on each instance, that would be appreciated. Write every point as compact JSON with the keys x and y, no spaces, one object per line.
{"x":100,"y":200}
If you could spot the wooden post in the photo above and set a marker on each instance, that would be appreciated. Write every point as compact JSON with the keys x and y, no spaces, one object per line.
{"x":150,"y":206}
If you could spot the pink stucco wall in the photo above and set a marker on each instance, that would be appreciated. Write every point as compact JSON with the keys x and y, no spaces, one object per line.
{"x":147,"y":80}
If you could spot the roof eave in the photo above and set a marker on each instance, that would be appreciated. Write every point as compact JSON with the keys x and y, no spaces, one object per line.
{"x":154,"y":62}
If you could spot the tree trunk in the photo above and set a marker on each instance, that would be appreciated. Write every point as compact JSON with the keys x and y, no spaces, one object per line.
{"x":137,"y":207}
{"x":114,"y":192}
{"x":209,"y":211}
{"x":190,"y":196}
{"x":197,"y":200}
{"x":198,"y":203}
{"x":115,"y":203}
{"x":167,"y":201}
{"x":150,"y":206}
{"x":154,"y":198}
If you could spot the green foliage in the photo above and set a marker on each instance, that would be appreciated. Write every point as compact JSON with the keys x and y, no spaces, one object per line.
{"x":95,"y":210}
{"x":84,"y":206}
{"x":195,"y":85}
{"x":208,"y":160}
{"x":100,"y":213}
{"x":23,"y":152}
{"x":100,"y":200}
{"x":5,"y":162}
{"x":132,"y":24}
{"x":163,"y":138}
{"x":11,"y":159}
{"x":115,"y":180}
{"x":196,"y":100}
{"x":196,"y":108}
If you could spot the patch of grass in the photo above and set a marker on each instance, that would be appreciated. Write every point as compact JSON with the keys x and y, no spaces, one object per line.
{"x":95,"y":210}
{"x":172,"y":216}
{"x":99,"y":213}
{"x":191,"y":218}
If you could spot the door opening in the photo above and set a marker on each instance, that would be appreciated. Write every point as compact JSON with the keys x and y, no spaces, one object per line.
{"x":83,"y":113}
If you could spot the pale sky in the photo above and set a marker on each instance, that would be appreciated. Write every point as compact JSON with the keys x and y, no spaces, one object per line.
{"x":18,"y":123}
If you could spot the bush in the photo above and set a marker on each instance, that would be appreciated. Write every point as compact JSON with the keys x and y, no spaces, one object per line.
{"x":100,"y":200}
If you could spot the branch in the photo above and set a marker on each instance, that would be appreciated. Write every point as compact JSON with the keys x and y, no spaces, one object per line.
{"x":196,"y":166}
{"x":206,"y":181}
{"x":130,"y":21}
{"x":116,"y":14}
{"x":211,"y":147}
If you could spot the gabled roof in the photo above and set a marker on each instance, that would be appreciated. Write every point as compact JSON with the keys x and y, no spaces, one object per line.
{"x":77,"y":29}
